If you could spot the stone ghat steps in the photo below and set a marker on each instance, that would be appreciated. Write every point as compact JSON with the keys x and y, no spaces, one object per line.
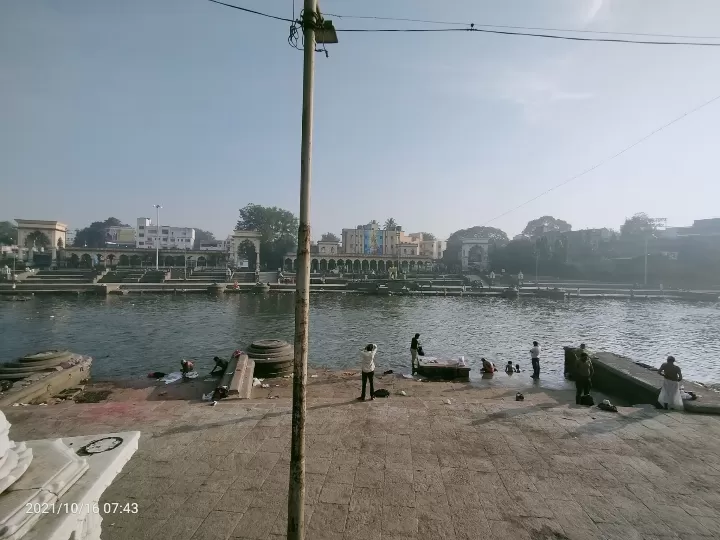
{"x":33,"y":363}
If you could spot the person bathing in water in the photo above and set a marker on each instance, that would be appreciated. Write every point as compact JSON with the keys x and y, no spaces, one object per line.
{"x":487,"y":366}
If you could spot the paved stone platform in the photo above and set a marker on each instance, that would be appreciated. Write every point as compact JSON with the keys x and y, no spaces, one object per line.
{"x":483,"y":466}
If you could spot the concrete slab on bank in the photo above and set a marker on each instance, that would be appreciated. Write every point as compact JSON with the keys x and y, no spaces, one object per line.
{"x":638,"y":384}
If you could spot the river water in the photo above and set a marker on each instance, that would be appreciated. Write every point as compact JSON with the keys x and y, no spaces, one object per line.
{"x":132,"y":335}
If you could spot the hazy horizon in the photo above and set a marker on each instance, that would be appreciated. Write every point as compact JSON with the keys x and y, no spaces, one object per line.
{"x":109,"y":108}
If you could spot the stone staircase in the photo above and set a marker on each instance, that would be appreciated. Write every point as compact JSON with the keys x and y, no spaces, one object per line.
{"x":249,"y":277}
{"x":62,"y":277}
{"x":153,"y":276}
{"x":216,"y":275}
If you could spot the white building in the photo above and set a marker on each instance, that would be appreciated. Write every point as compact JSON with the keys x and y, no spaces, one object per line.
{"x":222,"y":246}
{"x":70,"y":236}
{"x":166,"y":237}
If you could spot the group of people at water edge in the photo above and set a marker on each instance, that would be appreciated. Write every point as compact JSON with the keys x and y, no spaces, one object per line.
{"x":582,"y":372}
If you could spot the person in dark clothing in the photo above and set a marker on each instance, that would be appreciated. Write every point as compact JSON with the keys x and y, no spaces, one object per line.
{"x":583,"y":377}
{"x":414,"y":346}
{"x":367,"y":359}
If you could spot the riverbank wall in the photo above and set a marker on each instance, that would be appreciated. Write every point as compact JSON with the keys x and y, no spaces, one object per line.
{"x":637,"y":384}
{"x":194,"y":287}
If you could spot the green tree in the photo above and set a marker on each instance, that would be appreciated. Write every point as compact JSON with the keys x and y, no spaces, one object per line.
{"x":329,"y":237}
{"x":426,"y":236}
{"x":542,"y":224}
{"x":390,"y":224}
{"x":8,"y":233}
{"x":451,"y":256}
{"x":515,"y":256}
{"x":202,"y":236}
{"x":37,"y":239}
{"x":94,"y":235}
{"x":278,"y":229}
{"x":246,"y":250}
{"x":638,"y":225}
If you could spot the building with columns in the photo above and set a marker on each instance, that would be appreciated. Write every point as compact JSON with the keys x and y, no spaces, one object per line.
{"x":474,"y":253}
{"x":41,"y":233}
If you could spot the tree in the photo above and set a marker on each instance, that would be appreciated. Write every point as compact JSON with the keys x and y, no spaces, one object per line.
{"x":37,"y":239}
{"x":390,"y":224}
{"x":8,"y":233}
{"x":428,"y":237}
{"x":545,"y":224}
{"x":94,"y":235}
{"x":202,"y":236}
{"x":246,"y":250}
{"x":638,"y":225}
{"x":451,"y":257}
{"x":278,"y":229}
{"x":329,"y":237}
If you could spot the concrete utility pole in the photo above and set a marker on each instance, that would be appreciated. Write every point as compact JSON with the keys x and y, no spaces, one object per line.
{"x":157,"y":240}
{"x":296,"y":493}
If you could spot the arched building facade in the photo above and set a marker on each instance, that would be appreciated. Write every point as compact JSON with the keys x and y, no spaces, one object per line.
{"x":353,"y":263}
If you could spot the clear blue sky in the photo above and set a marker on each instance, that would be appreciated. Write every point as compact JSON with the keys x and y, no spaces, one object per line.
{"x":109,"y":107}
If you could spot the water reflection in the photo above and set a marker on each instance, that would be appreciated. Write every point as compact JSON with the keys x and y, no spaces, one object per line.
{"x":132,"y":335}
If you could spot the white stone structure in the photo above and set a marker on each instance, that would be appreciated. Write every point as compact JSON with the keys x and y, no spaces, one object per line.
{"x":150,"y":236}
{"x":50,"y":489}
{"x":474,"y":253}
{"x":237,"y":239}
{"x":32,"y":229}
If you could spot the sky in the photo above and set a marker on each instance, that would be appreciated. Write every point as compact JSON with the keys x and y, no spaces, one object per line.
{"x":107,"y":108}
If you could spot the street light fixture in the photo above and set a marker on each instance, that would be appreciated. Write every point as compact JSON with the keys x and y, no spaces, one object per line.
{"x":157,"y":237}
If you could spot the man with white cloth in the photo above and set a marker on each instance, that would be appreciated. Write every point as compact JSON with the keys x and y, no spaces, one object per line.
{"x":670,"y":392}
{"x":367,"y":358}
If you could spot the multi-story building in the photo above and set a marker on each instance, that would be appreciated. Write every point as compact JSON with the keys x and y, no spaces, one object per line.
{"x":70,"y":236}
{"x":428,"y":248}
{"x":699,"y":228}
{"x":120,"y":236}
{"x":370,"y":239}
{"x":165,"y":237}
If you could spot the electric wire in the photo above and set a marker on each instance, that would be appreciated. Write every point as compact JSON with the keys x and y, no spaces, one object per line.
{"x":473,"y":28}
{"x":606,"y":160}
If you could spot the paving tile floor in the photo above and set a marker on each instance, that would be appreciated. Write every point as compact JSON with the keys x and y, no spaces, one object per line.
{"x":405,"y":468}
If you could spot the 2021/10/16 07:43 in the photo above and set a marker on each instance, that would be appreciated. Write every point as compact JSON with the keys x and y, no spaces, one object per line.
{"x":79,"y":508}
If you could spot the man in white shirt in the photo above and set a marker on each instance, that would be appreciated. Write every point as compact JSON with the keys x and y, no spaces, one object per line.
{"x":367,"y":358}
{"x":535,"y":359}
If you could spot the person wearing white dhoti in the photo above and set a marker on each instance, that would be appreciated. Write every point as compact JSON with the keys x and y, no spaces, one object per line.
{"x":670,"y":392}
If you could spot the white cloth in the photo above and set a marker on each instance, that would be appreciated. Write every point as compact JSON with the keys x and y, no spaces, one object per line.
{"x":368,"y":359}
{"x":535,"y":352}
{"x":670,"y":394}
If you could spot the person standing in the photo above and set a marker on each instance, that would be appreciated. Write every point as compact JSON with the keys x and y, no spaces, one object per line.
{"x":414,"y":345}
{"x":583,"y":376}
{"x":535,"y":359}
{"x":367,"y":359}
{"x":670,"y":393}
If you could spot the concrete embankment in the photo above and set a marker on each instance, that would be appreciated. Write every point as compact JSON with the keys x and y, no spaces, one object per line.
{"x":188,"y":287}
{"x":636,"y":384}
